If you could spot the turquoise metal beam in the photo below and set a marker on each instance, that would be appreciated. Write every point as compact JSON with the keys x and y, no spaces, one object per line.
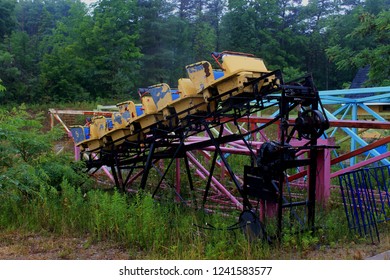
{"x":372,"y":112}
{"x":382,"y":98}
{"x":336,"y":100}
{"x":339,"y":110}
{"x":348,"y":106}
{"x":375,"y":98}
{"x":275,"y":114}
{"x":354,"y":91}
{"x":355,"y":130}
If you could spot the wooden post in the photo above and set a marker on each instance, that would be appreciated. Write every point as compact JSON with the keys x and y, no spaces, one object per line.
{"x":323,"y":176}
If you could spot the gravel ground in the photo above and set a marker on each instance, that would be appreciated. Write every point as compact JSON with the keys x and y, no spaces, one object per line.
{"x":30,"y":246}
{"x":16,"y":245}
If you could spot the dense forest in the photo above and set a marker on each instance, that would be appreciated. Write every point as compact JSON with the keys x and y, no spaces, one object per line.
{"x":66,"y":51}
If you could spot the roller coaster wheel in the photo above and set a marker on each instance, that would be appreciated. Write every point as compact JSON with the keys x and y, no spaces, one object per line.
{"x":251,"y":226}
{"x":134,"y":127}
{"x":170,"y":116}
{"x":299,"y":91}
{"x":311,"y":124}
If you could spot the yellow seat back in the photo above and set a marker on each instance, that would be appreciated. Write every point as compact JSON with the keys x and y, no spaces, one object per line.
{"x":186,"y":88}
{"x":161,"y":95}
{"x":201,"y":75}
{"x":240,"y":63}
{"x":148,"y":104}
{"x":118,"y":120}
{"x":126,"y":109}
{"x":97,"y":127}
{"x":132,"y":110}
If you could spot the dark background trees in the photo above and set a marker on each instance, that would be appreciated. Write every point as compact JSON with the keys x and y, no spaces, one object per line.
{"x":65,"y":51}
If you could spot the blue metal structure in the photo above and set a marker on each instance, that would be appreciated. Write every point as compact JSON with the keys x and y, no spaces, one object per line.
{"x":351,"y":100}
{"x":366,"y":199}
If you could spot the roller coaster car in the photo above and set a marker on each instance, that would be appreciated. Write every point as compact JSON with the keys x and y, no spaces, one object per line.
{"x":121,"y":121}
{"x":80,"y":134}
{"x":202,"y":76}
{"x":239,"y":70}
{"x":189,"y":99}
{"x":147,"y":115}
{"x":91,"y":137}
{"x":189,"y":102}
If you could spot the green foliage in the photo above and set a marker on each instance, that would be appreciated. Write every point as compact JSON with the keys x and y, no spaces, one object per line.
{"x":374,"y":30}
{"x":7,"y":20}
{"x":27,"y":159}
{"x":204,"y":40}
{"x":160,"y":230}
{"x":146,"y":227}
{"x":64,"y":51}
{"x":2,"y":88}
{"x":162,"y":39}
{"x":112,"y":47}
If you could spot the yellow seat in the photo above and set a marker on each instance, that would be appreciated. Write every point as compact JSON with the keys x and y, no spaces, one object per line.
{"x":239,"y":69}
{"x":148,"y":104}
{"x":97,"y":129}
{"x":186,"y":88}
{"x":125,"y":109}
{"x":94,"y":127}
{"x":150,"y":113}
{"x":161,"y":95}
{"x":126,"y":112}
{"x":201,"y":75}
{"x":233,"y":63}
{"x":190,"y":102}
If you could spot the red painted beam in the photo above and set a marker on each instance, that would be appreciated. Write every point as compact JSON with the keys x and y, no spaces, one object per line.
{"x":359,"y":151}
{"x":333,"y":123}
{"x":360,"y":124}
{"x":360,"y":164}
{"x":81,"y":112}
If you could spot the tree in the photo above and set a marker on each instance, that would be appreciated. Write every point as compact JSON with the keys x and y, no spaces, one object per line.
{"x":2,"y":88}
{"x":268,"y":29}
{"x":186,"y":9}
{"x":7,"y":18}
{"x":374,"y":31}
{"x":204,"y":41}
{"x":90,"y":56}
{"x":213,"y":14}
{"x":10,"y":75}
{"x":157,"y":41}
{"x":315,"y":19}
{"x":63,"y":51}
{"x":65,"y":69}
{"x":112,"y":48}
{"x":239,"y":28}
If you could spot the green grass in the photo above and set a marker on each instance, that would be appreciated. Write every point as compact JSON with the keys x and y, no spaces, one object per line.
{"x":158,"y":229}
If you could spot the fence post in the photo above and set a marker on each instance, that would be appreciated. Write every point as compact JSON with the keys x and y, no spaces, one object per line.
{"x":323,"y":174}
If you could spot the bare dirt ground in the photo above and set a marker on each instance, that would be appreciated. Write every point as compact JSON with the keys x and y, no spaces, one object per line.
{"x":31,"y":246}
{"x":16,"y":245}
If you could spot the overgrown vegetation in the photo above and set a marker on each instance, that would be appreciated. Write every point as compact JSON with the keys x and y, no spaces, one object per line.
{"x":43,"y":192}
{"x":64,"y":51}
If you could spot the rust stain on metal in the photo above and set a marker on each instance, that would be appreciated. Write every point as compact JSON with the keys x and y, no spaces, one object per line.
{"x":206,"y":67}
